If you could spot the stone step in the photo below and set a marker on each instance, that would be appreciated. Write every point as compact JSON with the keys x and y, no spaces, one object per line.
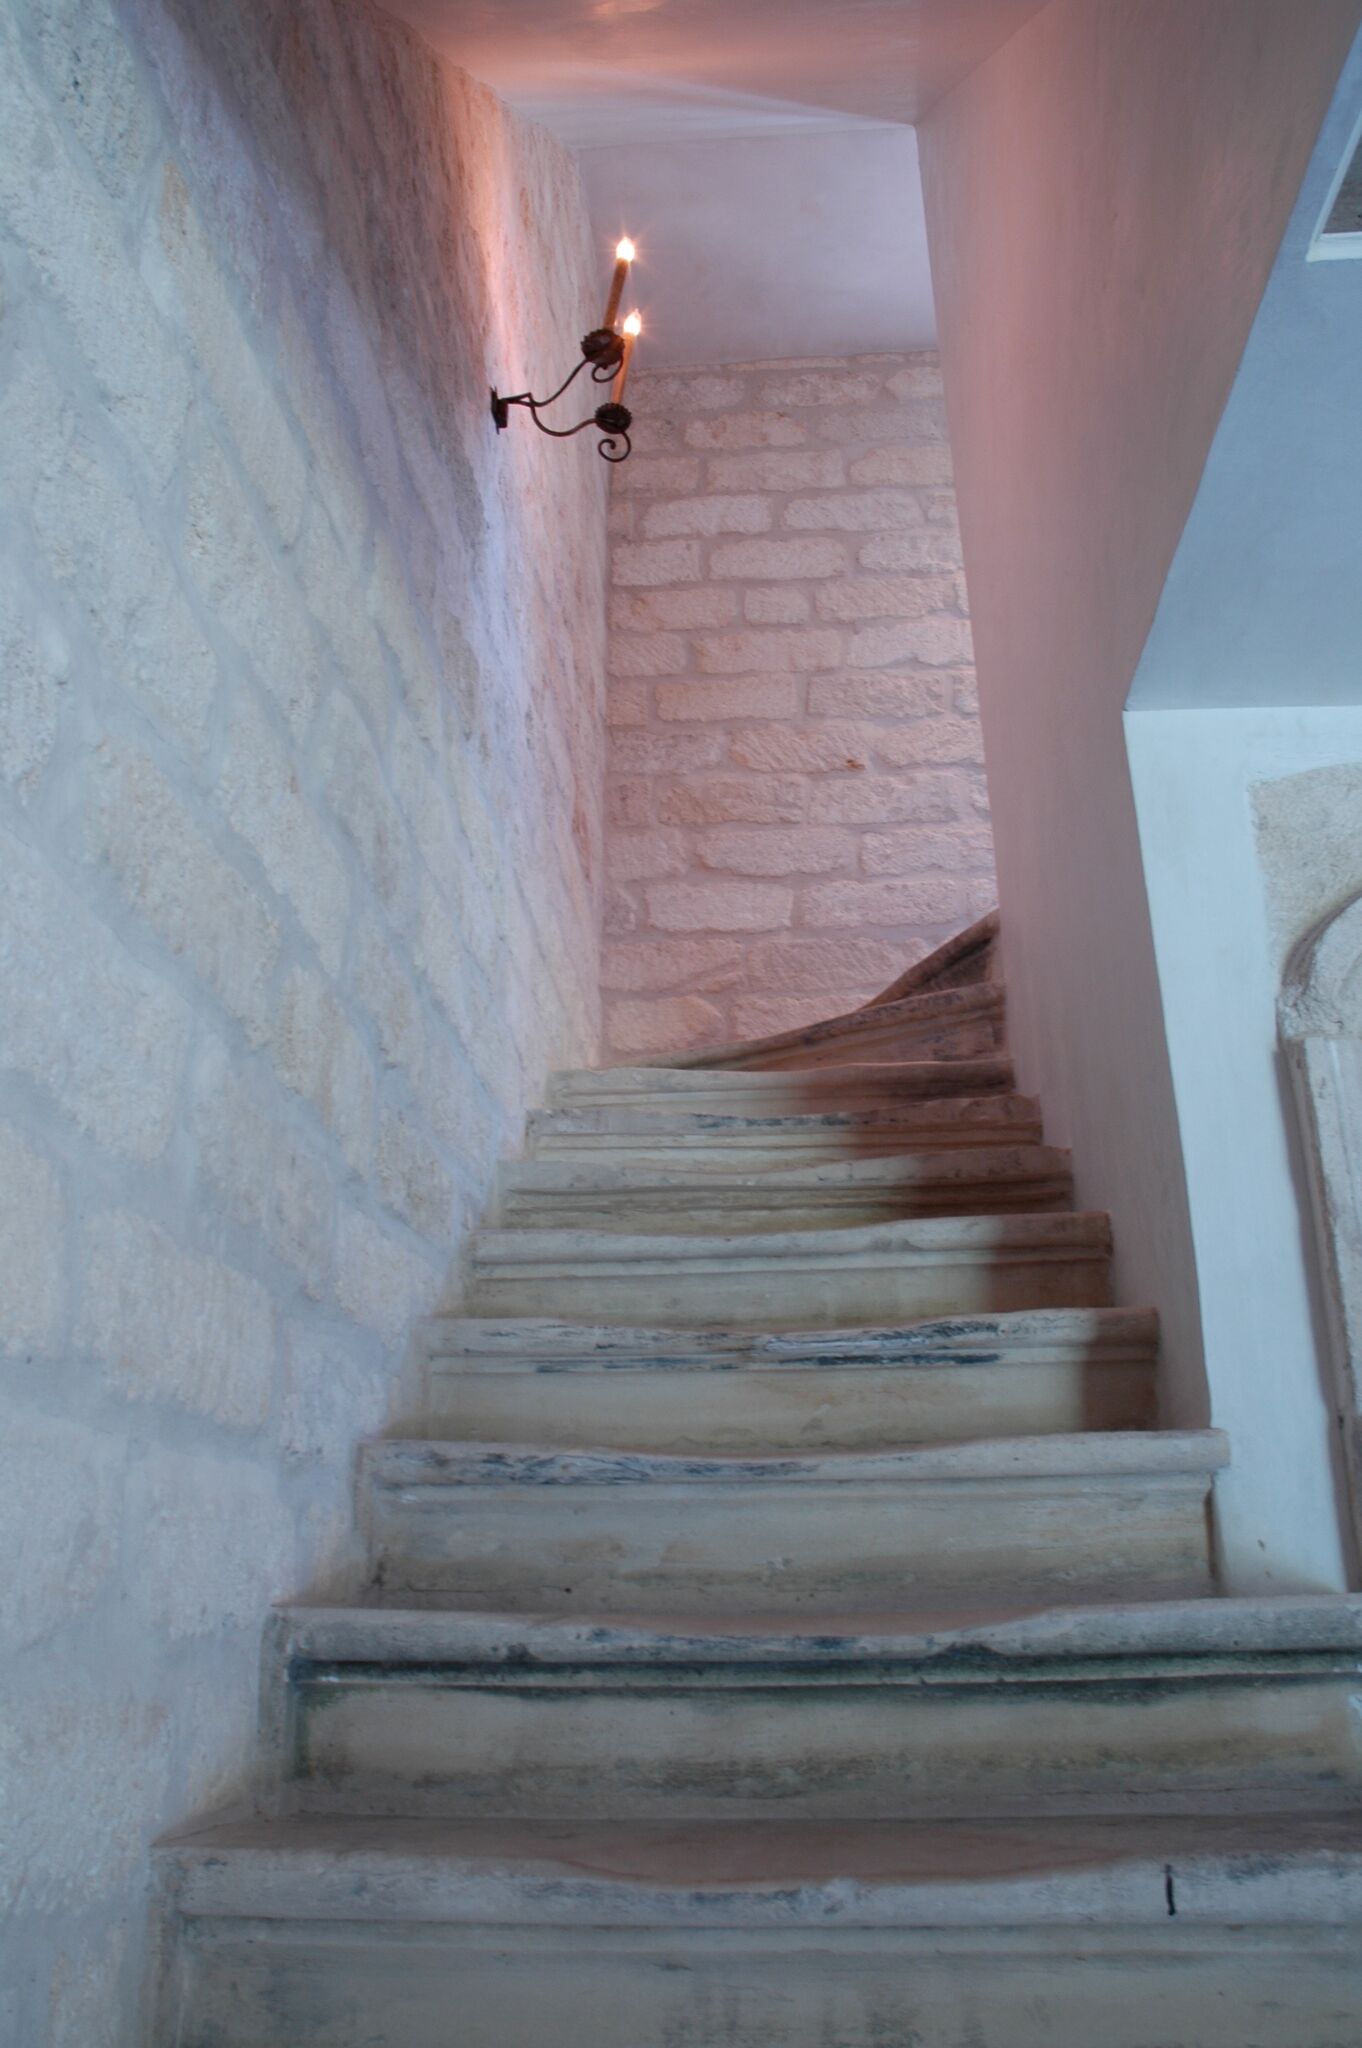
{"x":967,"y":956}
{"x":526,"y":1528}
{"x":866,"y":1085}
{"x":1213,"y":1705}
{"x":982,"y":1180}
{"x":953,"y":1023}
{"x":723,"y":1143}
{"x":1031,"y":1374}
{"x":1210,"y":1932}
{"x":802,"y":1279}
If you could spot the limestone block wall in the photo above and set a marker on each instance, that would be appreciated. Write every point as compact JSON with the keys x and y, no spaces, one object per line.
{"x":797,"y":807}
{"x":300,"y":773}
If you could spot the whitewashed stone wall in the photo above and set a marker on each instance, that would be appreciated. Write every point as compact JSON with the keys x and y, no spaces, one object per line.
{"x":797,"y":806}
{"x":300,"y":762}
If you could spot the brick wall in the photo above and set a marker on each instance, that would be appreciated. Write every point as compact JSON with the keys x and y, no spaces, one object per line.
{"x":796,"y":800}
{"x":300,"y":770}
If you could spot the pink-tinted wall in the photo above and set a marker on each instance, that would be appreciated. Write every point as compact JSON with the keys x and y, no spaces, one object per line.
{"x":1105,"y":197}
{"x":796,"y":803}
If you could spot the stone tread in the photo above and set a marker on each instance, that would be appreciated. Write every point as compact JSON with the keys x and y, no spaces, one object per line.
{"x":948,"y":1121}
{"x":900,"y":1268}
{"x":823,"y":1876}
{"x":965,"y":952}
{"x":1081,"y":1233}
{"x":1199,"y":1710}
{"x":925,"y":1179}
{"x":541,"y":1344}
{"x":1212,"y":1632}
{"x":719,"y":1389}
{"x":1085,"y":1458}
{"x":871,"y":1085}
{"x":895,"y":1270}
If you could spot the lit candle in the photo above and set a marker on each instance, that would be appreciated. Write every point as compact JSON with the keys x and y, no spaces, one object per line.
{"x":624,"y":256}
{"x":633,"y":327}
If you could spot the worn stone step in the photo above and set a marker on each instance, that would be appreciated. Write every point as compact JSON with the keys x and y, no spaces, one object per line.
{"x":528,"y":1528}
{"x":1037,"y":1373}
{"x":802,"y":1279}
{"x":723,"y":1143}
{"x":985,"y":1180}
{"x":1201,"y":1706}
{"x":866,"y":1085}
{"x":1209,"y":1932}
{"x":967,"y":956}
{"x":953,"y":1023}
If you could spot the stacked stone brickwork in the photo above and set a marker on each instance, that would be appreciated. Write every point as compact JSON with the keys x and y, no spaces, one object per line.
{"x":797,"y":805}
{"x":300,"y":772}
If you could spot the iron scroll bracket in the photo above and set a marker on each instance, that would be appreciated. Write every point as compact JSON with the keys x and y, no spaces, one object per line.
{"x":602,"y":350}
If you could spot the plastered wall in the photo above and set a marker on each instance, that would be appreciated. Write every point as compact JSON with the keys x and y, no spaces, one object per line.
{"x":1105,"y":197}
{"x":1244,"y":730}
{"x":796,"y":806}
{"x":300,"y":836}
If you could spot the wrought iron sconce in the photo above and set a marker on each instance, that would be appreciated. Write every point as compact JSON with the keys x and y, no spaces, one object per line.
{"x":606,"y":352}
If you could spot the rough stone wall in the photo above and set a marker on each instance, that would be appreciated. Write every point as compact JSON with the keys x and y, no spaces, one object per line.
{"x":300,"y":761}
{"x":797,"y":806}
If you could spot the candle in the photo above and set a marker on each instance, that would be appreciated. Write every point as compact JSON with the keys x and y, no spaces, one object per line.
{"x":624,"y":256}
{"x":633,"y":327}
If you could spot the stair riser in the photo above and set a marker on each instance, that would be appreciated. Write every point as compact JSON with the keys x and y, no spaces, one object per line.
{"x":825,"y":1292}
{"x":853,"y":1548}
{"x":751,"y":1410}
{"x":297,"y":1985}
{"x":591,"y":1745}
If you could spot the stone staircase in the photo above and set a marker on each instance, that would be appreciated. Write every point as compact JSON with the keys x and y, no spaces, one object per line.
{"x":793,"y":1632}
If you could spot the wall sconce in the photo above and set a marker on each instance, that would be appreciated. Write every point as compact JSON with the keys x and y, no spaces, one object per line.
{"x":607,"y":353}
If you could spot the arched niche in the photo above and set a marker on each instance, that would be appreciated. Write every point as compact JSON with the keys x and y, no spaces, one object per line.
{"x":1320,"y":1019}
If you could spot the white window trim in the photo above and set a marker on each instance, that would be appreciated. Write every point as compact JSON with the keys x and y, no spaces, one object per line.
{"x":1337,"y":248}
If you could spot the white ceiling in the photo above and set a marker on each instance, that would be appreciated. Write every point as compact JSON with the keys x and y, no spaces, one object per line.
{"x":758,"y":151}
{"x":785,"y":245}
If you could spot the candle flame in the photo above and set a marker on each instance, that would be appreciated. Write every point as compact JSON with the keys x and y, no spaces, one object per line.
{"x":625,"y":251}
{"x":634,"y":324}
